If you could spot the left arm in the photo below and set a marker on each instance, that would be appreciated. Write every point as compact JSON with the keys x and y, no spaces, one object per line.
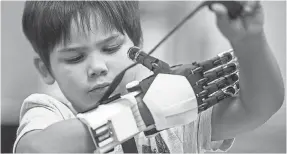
{"x":261,"y":84}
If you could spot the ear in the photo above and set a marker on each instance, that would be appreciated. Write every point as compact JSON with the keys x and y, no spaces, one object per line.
{"x":43,"y":71}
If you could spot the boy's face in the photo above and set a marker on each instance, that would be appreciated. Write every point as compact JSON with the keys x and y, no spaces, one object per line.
{"x":87,"y":64}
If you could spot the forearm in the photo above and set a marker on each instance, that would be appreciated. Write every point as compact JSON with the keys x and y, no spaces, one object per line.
{"x":261,"y":84}
{"x":68,"y":136}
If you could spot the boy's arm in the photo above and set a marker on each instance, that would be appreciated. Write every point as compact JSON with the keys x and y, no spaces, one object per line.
{"x":67,"y":136}
{"x":43,"y":128}
{"x":261,"y":91}
{"x":261,"y":84}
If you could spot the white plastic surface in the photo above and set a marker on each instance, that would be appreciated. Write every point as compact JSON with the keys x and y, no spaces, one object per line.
{"x":171,"y":101}
{"x":119,"y":113}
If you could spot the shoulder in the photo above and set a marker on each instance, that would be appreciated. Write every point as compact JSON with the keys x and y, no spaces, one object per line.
{"x":39,"y":111}
{"x":46,"y":102}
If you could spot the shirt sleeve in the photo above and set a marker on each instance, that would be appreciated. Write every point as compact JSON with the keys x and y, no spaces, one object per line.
{"x":36,"y":114}
{"x":204,"y":135}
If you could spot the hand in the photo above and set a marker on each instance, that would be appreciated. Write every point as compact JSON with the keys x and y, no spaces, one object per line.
{"x":250,"y":22}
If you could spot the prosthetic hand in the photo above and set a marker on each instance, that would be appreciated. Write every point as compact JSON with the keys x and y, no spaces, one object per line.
{"x":211,"y":80}
{"x":175,"y":95}
{"x":172,"y":96}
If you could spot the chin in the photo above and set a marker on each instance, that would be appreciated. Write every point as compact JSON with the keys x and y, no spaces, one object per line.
{"x":86,"y":107}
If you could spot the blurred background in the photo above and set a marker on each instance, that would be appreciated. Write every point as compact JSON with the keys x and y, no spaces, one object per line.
{"x":197,"y":40}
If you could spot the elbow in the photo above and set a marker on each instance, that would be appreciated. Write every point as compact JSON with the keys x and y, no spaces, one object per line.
{"x":27,"y":147}
{"x":266,"y":105}
{"x":278,"y":96}
{"x":30,"y":143}
{"x":276,"y":101}
{"x":275,"y":96}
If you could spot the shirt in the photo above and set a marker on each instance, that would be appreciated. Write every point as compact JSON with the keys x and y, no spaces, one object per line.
{"x":39,"y":111}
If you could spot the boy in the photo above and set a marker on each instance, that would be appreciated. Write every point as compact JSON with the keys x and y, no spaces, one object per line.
{"x":83,"y":45}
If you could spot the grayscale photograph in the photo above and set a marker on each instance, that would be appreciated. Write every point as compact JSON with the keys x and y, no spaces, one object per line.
{"x":143,"y":76}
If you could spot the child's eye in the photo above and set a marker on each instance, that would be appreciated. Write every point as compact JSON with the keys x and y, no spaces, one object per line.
{"x":75,"y":59}
{"x":111,"y":49}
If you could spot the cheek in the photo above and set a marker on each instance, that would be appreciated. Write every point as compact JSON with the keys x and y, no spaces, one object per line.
{"x":70,"y":78}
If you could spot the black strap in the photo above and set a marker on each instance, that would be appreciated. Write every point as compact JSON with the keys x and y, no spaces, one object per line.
{"x":130,"y":146}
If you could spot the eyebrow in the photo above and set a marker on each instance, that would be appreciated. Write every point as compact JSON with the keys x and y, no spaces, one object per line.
{"x":69,"y":49}
{"x":108,"y":39}
{"x":81,"y":48}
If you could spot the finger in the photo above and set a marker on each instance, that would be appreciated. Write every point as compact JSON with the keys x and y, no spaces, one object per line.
{"x":250,"y":7}
{"x":220,"y":59}
{"x":211,"y":101}
{"x":220,"y":84}
{"x":226,"y":10}
{"x":221,"y":13}
{"x":176,"y":66}
{"x":232,"y":89}
{"x":192,"y":77}
{"x":217,"y":73}
{"x":187,"y":71}
{"x":197,"y":89}
{"x":219,"y":96}
{"x":218,"y":9}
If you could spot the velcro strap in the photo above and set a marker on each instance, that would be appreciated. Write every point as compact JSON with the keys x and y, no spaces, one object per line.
{"x":120,"y":118}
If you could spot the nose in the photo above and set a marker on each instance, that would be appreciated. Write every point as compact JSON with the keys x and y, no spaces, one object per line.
{"x":97,"y":68}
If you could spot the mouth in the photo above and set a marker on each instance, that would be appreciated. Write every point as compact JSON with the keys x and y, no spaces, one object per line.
{"x":100,"y":88}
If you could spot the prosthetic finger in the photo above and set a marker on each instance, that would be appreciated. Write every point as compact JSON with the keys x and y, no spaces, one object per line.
{"x":207,"y":65}
{"x":217,"y":85}
{"x":217,"y":73}
{"x":197,"y":74}
{"x":219,"y":96}
{"x":234,"y":89}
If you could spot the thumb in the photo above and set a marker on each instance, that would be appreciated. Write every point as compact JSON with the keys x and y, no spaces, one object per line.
{"x":220,"y":10}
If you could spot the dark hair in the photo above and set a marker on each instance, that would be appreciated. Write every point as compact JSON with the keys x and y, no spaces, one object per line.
{"x":47,"y":23}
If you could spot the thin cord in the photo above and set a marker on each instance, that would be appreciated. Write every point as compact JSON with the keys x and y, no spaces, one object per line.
{"x":178,"y":26}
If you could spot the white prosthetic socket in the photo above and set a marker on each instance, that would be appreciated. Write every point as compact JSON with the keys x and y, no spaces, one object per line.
{"x":171,"y":101}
